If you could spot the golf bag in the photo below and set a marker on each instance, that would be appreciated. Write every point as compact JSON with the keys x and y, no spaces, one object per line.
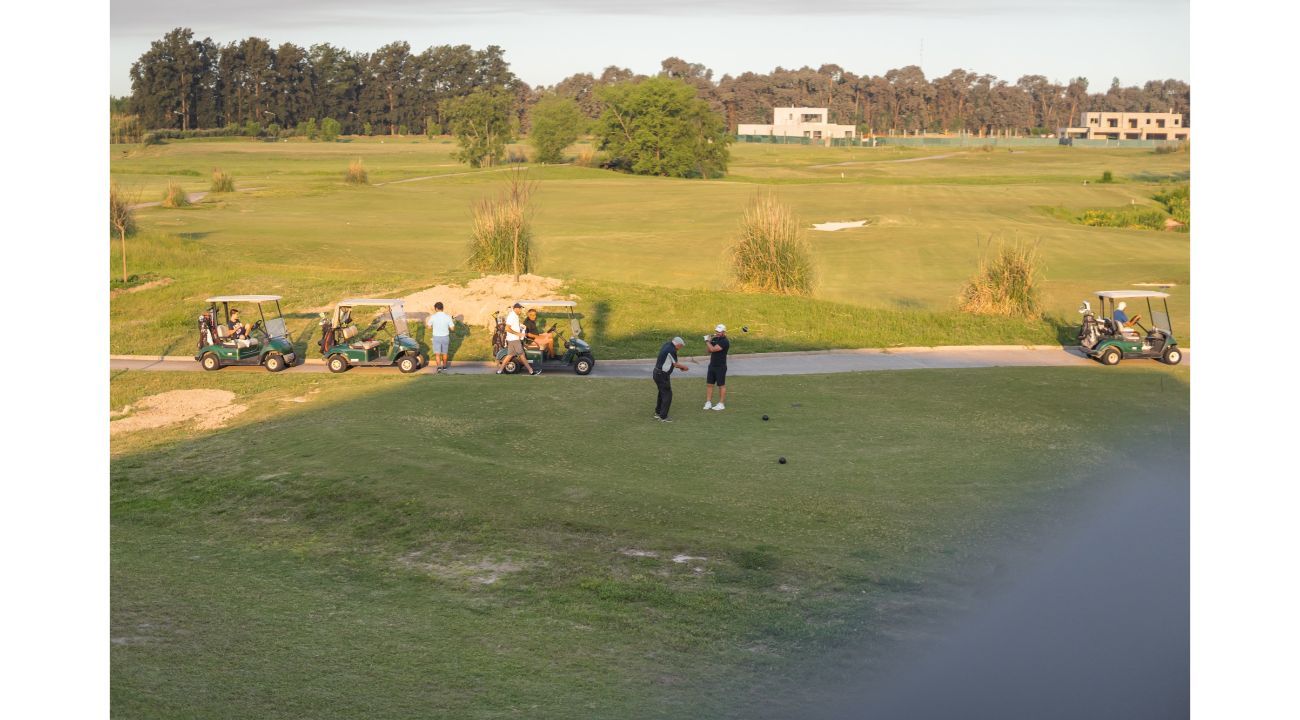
{"x":206,"y":335}
{"x":498,"y":334}
{"x":326,"y":335}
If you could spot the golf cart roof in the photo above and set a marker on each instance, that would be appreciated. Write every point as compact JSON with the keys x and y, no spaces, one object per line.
{"x":548,"y":303}
{"x":244,"y":298}
{"x":369,"y":301}
{"x":1127,"y":294}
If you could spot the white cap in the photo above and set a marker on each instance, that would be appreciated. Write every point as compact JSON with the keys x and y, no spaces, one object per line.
{"x":678,"y":341}
{"x":720,"y":328}
{"x":1121,"y":306}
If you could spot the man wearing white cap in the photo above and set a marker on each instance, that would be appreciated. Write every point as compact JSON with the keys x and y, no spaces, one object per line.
{"x":718,"y":345}
{"x":663,"y":372}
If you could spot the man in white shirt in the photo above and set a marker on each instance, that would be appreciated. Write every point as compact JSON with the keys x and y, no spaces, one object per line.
{"x":440,"y":326}
{"x":515,"y":342}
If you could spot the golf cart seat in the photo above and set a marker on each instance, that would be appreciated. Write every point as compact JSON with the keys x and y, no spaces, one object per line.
{"x":350,"y":332}
{"x":223,"y":333}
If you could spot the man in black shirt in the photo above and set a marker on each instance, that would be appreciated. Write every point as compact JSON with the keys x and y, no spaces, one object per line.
{"x":664,"y":366}
{"x":718,"y":345}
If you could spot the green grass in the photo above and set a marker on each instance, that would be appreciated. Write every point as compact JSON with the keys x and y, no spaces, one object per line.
{"x":295,"y":228}
{"x":319,"y":559}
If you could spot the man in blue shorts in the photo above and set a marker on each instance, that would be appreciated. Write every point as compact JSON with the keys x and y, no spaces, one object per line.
{"x":440,"y":326}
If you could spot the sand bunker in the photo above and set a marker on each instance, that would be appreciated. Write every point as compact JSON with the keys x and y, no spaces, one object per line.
{"x":474,"y":303}
{"x":833,"y":226}
{"x":209,"y":409}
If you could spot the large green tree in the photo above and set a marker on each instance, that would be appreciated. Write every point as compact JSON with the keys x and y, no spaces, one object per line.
{"x":659,"y":127}
{"x":483,"y":124}
{"x":555,"y":123}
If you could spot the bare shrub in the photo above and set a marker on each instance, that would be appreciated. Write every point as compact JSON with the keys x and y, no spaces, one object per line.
{"x":121,"y":218}
{"x":356,"y":174}
{"x":1006,"y":282}
{"x":586,"y":157}
{"x":502,"y":239}
{"x":222,"y":181}
{"x":771,"y":255}
{"x":175,"y":196}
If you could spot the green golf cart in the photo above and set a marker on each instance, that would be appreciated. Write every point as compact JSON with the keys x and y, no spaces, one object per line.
{"x":344,"y":344}
{"x":1108,"y":341}
{"x":265,"y":343}
{"x":577,"y":353}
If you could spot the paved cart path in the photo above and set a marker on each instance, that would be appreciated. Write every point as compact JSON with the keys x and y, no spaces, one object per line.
{"x":784,"y":363}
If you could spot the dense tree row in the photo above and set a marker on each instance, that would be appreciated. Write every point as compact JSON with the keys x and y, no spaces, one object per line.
{"x":901,"y":100}
{"x":185,"y":83}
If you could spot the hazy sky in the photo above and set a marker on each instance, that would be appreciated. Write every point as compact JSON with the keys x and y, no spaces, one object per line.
{"x":547,"y":40}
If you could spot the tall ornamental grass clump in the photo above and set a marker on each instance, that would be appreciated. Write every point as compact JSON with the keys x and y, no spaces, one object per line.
{"x":121,"y":218}
{"x":771,"y":255}
{"x":502,"y":239}
{"x":356,"y":174}
{"x":222,"y":181}
{"x":1006,"y":283}
{"x":175,"y":197}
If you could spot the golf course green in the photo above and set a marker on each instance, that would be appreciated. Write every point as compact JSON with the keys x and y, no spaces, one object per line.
{"x":456,"y":546}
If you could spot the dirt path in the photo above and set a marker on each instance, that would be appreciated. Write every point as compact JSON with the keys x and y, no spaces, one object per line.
{"x":193,"y":198}
{"x":884,"y":162}
{"x":788,"y":363}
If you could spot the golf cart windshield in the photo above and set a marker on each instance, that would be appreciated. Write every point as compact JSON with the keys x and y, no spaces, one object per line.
{"x":275,"y":327}
{"x":565,"y":306}
{"x":399,"y":319}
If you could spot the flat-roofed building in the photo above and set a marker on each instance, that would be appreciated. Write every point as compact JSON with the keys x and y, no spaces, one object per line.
{"x":1128,"y":126}
{"x":797,"y":122}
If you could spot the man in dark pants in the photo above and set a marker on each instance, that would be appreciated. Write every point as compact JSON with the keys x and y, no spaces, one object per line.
{"x":664,"y":366}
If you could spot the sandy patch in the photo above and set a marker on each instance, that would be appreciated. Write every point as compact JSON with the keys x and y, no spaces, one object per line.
{"x":475,"y":302}
{"x":633,"y":552}
{"x":679,"y":559}
{"x":1172,"y":224}
{"x":481,"y":572}
{"x":208,"y":409}
{"x":302,"y":398}
{"x":833,"y":226}
{"x":160,"y":282}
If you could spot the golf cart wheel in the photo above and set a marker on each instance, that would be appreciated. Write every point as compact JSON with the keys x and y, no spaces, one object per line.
{"x":512,"y":367}
{"x":1111,"y":356}
{"x":337,"y":364}
{"x":1171,"y":356}
{"x":408,"y":363}
{"x":210,"y":362}
{"x":274,"y":362}
{"x":584,"y":365}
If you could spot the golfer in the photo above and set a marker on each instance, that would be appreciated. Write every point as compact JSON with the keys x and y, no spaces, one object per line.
{"x":718,"y":345}
{"x":515,"y":342}
{"x":440,"y":326}
{"x":238,"y":330}
{"x":664,"y":366}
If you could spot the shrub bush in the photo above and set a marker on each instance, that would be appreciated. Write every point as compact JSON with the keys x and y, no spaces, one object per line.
{"x":771,"y":256}
{"x":1006,"y":283}
{"x":586,"y":157}
{"x":516,"y":155}
{"x":1107,"y":177}
{"x":502,"y":239}
{"x":175,"y":197}
{"x":330,"y":129}
{"x":222,"y":181}
{"x":356,"y":174}
{"x":1178,"y":202}
{"x":1137,"y":217}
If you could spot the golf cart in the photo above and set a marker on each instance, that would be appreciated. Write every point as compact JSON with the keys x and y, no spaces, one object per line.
{"x":343,"y":344}
{"x":266,"y":342}
{"x":576,"y":350}
{"x":1108,"y":341}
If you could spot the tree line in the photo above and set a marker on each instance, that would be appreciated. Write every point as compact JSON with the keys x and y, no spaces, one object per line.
{"x":184,"y":84}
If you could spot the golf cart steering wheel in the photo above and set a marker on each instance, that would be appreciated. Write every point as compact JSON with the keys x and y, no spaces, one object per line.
{"x":553,"y":326}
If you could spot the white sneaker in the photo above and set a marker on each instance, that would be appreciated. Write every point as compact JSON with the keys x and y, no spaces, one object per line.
{"x":719,"y":406}
{"x":708,"y":406}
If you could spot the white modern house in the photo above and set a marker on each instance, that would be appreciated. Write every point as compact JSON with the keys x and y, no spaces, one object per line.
{"x":1129,"y":126}
{"x":796,"y":122}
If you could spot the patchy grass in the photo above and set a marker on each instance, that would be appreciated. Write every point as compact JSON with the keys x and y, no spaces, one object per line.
{"x":424,"y":572}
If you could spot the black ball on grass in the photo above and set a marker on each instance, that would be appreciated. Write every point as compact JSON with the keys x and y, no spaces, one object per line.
{"x":781,"y":459}
{"x":764,"y":418}
{"x":744,"y":328}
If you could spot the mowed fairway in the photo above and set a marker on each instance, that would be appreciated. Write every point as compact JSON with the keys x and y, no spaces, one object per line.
{"x":385,"y":546}
{"x":302,"y":233}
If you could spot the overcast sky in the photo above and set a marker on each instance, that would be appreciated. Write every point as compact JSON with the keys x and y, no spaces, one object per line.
{"x":547,"y":40}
